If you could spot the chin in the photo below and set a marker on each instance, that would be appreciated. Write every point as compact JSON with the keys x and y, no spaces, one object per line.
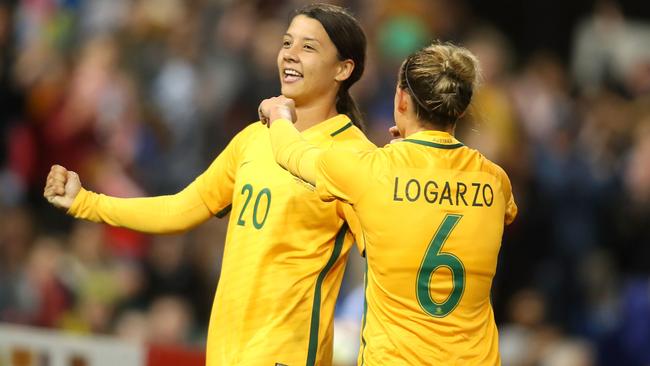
{"x":289,"y":92}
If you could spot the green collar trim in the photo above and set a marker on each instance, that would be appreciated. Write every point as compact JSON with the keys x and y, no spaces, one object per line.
{"x":436,"y":145}
{"x":348,"y":125}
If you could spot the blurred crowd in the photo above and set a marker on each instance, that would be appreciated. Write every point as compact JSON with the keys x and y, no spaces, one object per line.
{"x":138,"y":97}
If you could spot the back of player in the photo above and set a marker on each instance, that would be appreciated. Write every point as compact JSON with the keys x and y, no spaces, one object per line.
{"x":432,"y":216}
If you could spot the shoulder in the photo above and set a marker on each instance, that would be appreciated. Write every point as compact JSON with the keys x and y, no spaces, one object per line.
{"x":253,"y":128}
{"x":249,"y":132}
{"x":352,"y":137}
{"x":491,"y":167}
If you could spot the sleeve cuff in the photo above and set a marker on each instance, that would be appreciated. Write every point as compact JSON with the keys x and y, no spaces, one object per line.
{"x":78,"y":202}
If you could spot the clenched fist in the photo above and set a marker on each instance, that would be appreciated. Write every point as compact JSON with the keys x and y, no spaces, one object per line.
{"x":275,"y":108}
{"x":61,"y":187}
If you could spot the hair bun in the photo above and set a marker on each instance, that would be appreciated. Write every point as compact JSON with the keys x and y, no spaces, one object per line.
{"x":445,"y":66}
{"x":441,"y":79}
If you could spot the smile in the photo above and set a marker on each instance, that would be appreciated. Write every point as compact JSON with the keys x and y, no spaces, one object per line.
{"x":291,"y":75}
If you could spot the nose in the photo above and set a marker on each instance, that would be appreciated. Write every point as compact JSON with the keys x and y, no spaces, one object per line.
{"x":290,"y":54}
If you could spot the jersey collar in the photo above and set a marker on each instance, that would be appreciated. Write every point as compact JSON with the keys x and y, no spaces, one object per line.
{"x":330,"y":127}
{"x":437,"y":139}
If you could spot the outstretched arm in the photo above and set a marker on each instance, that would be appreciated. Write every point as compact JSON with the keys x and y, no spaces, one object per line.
{"x":156,"y":215}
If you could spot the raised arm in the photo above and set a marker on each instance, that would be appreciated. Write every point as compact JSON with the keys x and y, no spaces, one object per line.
{"x":337,"y":173}
{"x":291,"y":151}
{"x":156,"y":215}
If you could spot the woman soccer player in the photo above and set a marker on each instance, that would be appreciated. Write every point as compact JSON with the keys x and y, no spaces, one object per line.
{"x":431,"y":211}
{"x":285,"y":249}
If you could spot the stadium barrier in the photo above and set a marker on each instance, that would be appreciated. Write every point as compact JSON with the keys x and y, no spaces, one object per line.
{"x":27,"y":346}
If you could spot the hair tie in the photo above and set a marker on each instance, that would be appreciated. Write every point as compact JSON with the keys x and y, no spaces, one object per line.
{"x":408,"y":84}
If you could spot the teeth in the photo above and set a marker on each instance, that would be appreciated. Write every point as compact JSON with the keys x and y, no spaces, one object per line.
{"x":292,"y":72}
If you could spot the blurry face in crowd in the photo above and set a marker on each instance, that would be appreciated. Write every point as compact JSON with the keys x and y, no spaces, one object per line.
{"x":308,"y":62}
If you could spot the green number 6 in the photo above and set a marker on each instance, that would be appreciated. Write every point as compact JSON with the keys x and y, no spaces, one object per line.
{"x":434,"y":258}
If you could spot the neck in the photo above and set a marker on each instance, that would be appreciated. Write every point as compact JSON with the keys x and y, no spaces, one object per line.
{"x":418,"y":126}
{"x":312,"y":114}
{"x":308,"y":116}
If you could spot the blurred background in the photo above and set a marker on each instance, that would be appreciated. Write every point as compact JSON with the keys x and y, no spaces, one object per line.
{"x":139,"y":96}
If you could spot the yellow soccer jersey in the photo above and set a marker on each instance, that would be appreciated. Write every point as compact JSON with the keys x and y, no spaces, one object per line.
{"x":285,"y":248}
{"x":432,"y":213}
{"x":284,"y":256}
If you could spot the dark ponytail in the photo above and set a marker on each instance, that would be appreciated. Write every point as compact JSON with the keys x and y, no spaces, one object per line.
{"x":345,"y":104}
{"x":350,"y":41}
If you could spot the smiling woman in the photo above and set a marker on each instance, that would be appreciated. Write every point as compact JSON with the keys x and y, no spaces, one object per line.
{"x":285,"y":248}
{"x":321,"y":43}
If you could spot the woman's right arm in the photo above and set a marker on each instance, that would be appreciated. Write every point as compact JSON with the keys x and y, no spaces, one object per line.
{"x":156,"y":215}
{"x":210,"y":194}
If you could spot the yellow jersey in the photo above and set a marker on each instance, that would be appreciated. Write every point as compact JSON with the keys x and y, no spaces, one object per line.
{"x":285,"y":249}
{"x":432,"y":213}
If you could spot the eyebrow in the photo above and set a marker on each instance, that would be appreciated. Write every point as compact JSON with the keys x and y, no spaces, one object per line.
{"x":304,"y":38}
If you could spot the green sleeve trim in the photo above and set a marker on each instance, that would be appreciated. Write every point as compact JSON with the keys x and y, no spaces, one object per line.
{"x":348,"y":125}
{"x":224,"y":211}
{"x":433,"y":144}
{"x":315,"y":313}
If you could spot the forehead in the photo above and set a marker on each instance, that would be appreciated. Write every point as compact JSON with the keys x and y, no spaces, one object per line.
{"x":303,"y":26}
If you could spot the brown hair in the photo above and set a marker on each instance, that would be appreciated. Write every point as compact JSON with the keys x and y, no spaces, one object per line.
{"x":350,"y":41}
{"x":441,"y":79}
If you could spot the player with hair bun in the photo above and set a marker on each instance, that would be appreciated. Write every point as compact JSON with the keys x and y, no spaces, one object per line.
{"x":431,"y":211}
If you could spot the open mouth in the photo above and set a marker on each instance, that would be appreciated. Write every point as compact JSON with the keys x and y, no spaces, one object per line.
{"x":291,"y":75}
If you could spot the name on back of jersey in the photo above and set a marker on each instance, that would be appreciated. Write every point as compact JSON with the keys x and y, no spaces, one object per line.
{"x":474,"y":194}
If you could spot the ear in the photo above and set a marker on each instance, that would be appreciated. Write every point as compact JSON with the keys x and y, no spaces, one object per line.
{"x":344,"y":70}
{"x":402,"y":100}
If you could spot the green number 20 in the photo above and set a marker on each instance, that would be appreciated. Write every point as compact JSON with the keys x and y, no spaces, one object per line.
{"x":433,"y":259}
{"x":264,"y":192}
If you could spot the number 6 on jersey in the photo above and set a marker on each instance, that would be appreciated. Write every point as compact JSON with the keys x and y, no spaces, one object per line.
{"x":433,"y":259}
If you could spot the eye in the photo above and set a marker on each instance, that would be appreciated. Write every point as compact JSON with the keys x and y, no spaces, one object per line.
{"x":286,"y":43}
{"x":309,"y":47}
